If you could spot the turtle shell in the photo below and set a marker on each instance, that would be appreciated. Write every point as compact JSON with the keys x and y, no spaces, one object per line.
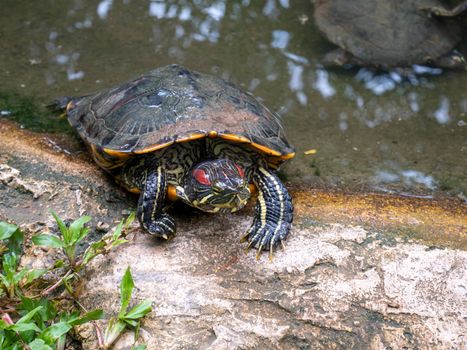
{"x":173,"y":104}
{"x":387,"y":32}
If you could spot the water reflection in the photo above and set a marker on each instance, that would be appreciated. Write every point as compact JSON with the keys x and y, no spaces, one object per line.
{"x":296,"y":81}
{"x":409,"y":177}
{"x":442,"y":113}
{"x":103,"y":8}
{"x":280,"y":39}
{"x":204,"y":28}
{"x":67,"y":60}
{"x":381,"y":82}
{"x":322,"y":84}
{"x":272,"y":9}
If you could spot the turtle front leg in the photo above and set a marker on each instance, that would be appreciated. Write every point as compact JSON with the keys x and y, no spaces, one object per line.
{"x":273,"y":213}
{"x":151,"y":205}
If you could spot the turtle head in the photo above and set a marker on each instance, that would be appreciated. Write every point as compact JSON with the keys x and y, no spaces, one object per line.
{"x":451,"y":60}
{"x":216,"y":185}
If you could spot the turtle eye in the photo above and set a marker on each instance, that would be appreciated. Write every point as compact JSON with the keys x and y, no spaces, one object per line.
{"x":240,"y":171}
{"x":201,"y":176}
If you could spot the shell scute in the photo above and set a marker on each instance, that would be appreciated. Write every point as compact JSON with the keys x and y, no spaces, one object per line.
{"x":173,"y":104}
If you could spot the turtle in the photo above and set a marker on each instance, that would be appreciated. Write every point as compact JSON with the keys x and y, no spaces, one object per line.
{"x":391,"y":33}
{"x":177,"y":134}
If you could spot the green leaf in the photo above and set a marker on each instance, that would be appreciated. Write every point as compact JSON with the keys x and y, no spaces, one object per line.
{"x":15,"y":242}
{"x":5,"y":282}
{"x":92,"y":251}
{"x":90,"y":316}
{"x":39,"y":344}
{"x":46,"y":313}
{"x":137,"y":329}
{"x":130,"y":219}
{"x":62,"y":227}
{"x":29,"y":315}
{"x":61,"y":342}
{"x":67,"y":283}
{"x":55,"y":331}
{"x":77,"y":230}
{"x":69,"y":317}
{"x":139,"y":347}
{"x":25,"y":326}
{"x":59,"y":263}
{"x":118,"y":231}
{"x":118,"y":242}
{"x":34,"y":274}
{"x":19,"y":276}
{"x":123,"y":224}
{"x":7,"y":230}
{"x":3,"y":325}
{"x":46,"y":240}
{"x":126,"y":288}
{"x":113,"y":330}
{"x":10,"y":263}
{"x":131,"y":323}
{"x":139,"y":310}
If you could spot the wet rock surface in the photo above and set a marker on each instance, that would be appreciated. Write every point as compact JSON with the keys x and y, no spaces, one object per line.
{"x":358,"y":272}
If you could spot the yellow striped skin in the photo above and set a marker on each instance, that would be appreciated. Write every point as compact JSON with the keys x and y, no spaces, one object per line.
{"x":274,"y":212}
{"x":171,"y":176}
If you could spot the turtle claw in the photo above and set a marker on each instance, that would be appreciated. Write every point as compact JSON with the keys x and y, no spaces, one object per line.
{"x":247,"y":249}
{"x":283,"y":245}
{"x":266,"y":237}
{"x":245,"y":238}
{"x":163,"y":227}
{"x":271,"y":253}
{"x":258,"y":252}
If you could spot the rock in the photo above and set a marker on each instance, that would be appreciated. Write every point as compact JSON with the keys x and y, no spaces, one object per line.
{"x":11,"y":177}
{"x":359,"y":271}
{"x":332,"y":287}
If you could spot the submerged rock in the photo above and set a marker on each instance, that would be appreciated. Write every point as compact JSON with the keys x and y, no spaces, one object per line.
{"x":359,"y":271}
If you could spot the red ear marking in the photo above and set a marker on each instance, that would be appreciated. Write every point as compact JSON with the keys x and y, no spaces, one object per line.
{"x":201,"y":176}
{"x":240,"y":170}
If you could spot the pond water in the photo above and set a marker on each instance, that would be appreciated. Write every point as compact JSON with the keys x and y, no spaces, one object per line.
{"x":375,"y":131}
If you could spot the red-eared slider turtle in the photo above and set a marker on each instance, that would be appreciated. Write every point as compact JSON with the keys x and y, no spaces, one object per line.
{"x":175,"y":133}
{"x":390,"y":33}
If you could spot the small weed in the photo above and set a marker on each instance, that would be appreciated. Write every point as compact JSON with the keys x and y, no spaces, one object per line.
{"x":126,"y":318}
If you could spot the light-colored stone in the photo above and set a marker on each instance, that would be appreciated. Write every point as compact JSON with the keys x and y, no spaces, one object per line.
{"x":12,"y":177}
{"x":328,"y":289}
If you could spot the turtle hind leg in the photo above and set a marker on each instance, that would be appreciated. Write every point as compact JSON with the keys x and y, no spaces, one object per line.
{"x":442,"y":11}
{"x":151,"y":205}
{"x":337,"y":57}
{"x":340,"y":57}
{"x":273,"y":213}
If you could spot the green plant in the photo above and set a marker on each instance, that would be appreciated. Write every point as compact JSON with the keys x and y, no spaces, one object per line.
{"x":35,"y":322}
{"x":12,"y":279}
{"x":70,"y":237}
{"x":126,"y":318}
{"x":11,"y":238}
{"x":41,"y":327}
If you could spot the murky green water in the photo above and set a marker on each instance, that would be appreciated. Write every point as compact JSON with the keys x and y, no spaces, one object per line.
{"x":369,"y":131}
